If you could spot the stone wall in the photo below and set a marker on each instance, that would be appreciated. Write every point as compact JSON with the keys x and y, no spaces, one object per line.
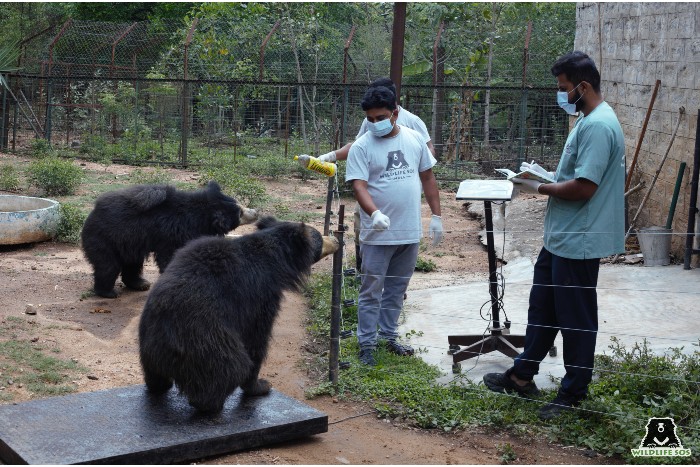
{"x":643,"y":42}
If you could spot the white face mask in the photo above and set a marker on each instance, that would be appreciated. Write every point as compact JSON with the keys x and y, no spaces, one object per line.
{"x":563,"y":101}
{"x":381,"y":128}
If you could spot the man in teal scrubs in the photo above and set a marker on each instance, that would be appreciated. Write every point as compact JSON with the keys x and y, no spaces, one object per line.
{"x":584,"y":222}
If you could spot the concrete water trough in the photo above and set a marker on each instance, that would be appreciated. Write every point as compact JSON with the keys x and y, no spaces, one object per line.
{"x":25,"y":219}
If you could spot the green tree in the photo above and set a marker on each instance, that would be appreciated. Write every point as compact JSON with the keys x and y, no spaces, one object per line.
{"x":131,"y":11}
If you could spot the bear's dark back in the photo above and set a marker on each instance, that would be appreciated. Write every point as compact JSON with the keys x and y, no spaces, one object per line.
{"x":237,"y":282}
{"x":142,"y":216}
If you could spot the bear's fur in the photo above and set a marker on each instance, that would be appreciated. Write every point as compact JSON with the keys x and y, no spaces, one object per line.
{"x":127,"y":225}
{"x":208,"y":319}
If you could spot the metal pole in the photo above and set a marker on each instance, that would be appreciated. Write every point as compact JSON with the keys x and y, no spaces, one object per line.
{"x":438,"y":93}
{"x":523,"y":98}
{"x":185,"y":97}
{"x":47,"y":128}
{"x":5,"y":115}
{"x":398,"y":33}
{"x":334,"y":353}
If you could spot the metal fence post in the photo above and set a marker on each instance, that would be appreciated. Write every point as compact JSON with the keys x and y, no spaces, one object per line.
{"x":334,"y":351}
{"x":4,"y":118}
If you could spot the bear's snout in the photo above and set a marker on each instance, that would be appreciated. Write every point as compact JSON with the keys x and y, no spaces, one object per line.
{"x":248,"y":216}
{"x":330,"y":245}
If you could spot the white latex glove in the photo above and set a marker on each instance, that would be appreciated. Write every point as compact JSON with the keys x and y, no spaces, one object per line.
{"x":380,"y":221}
{"x":526,"y":185}
{"x":537,"y":168}
{"x":435,"y":231}
{"x":328,"y":157}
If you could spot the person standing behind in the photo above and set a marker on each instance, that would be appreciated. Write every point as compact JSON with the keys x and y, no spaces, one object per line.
{"x":387,"y":167}
{"x":584,"y":221}
{"x":405,"y":119}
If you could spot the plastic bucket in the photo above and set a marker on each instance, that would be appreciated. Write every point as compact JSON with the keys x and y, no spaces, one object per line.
{"x":655,"y":243}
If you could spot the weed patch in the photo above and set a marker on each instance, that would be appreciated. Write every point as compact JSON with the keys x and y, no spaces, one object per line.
{"x":26,"y":364}
{"x":70,"y":224}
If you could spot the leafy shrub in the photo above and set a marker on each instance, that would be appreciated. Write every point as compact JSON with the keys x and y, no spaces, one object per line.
{"x":9,"y":180}
{"x":40,"y":148}
{"x":146,"y":177}
{"x":55,"y":176}
{"x":70,"y":223}
{"x":245,"y":189}
{"x":425,"y":265}
{"x":95,"y":148}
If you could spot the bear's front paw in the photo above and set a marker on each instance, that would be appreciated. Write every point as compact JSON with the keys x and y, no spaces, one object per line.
{"x":107,"y":293}
{"x":261,"y":387}
{"x":139,"y":284}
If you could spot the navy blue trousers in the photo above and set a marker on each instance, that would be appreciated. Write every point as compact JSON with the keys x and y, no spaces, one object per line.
{"x":563,"y":298}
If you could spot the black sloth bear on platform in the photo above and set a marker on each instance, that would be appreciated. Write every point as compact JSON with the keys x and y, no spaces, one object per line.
{"x":129,"y":224}
{"x":208,"y":319}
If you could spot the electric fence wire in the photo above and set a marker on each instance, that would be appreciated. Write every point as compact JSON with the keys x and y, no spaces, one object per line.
{"x":560,"y":328}
{"x":499,"y":298}
{"x":481,"y":391}
{"x":599,"y":288}
{"x":500,"y":283}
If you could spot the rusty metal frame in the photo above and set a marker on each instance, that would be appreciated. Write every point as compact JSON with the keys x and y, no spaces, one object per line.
{"x":264,"y":45}
{"x":114,"y":46}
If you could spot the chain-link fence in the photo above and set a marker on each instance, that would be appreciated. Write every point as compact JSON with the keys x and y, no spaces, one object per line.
{"x":170,"y":94}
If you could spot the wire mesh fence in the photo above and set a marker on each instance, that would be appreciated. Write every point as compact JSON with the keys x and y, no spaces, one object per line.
{"x":182,"y":93}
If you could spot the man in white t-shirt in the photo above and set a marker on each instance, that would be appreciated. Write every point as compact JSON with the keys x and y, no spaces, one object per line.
{"x":389,"y":166}
{"x":404,"y":119}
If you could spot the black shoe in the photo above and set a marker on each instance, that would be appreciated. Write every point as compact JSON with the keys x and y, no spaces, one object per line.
{"x":562,"y":403}
{"x":367,"y":357}
{"x":501,"y":382}
{"x":399,"y":349}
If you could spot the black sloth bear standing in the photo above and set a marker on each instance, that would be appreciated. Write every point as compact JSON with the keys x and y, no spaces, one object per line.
{"x":208,"y":319}
{"x":129,"y":224}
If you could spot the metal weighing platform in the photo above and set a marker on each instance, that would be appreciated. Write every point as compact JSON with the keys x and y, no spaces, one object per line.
{"x":128,"y":426}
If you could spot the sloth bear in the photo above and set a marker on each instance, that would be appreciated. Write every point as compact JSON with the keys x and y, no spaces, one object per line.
{"x":129,"y":224}
{"x":208,"y":319}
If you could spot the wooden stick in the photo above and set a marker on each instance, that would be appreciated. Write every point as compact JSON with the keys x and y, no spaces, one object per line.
{"x":681,"y":111}
{"x":636,"y":188}
{"x":641,"y":135}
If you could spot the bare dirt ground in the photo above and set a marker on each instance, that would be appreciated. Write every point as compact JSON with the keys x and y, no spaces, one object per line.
{"x":101,"y":334}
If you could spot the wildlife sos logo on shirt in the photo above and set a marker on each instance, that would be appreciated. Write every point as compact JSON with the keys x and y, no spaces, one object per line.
{"x":396,"y":167}
{"x":661,"y":440}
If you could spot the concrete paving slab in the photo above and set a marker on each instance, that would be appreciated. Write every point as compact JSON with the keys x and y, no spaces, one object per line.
{"x":127,"y":426}
{"x":635,"y":302}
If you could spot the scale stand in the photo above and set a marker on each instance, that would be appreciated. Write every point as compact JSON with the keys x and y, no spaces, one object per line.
{"x":500,"y":340}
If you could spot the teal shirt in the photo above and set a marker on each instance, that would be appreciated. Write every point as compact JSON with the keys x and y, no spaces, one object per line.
{"x":595,"y":228}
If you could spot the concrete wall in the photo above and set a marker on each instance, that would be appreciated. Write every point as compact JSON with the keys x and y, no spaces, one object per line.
{"x":643,"y":42}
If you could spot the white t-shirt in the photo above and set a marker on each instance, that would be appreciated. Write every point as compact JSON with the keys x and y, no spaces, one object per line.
{"x":405,"y":119}
{"x":391,"y":168}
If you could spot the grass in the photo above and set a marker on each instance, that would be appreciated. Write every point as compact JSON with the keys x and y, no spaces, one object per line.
{"x":611,"y":423}
{"x":30,"y":365}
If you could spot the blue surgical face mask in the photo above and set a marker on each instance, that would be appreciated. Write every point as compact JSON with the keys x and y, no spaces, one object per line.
{"x":563,"y":101}
{"x":381,"y":128}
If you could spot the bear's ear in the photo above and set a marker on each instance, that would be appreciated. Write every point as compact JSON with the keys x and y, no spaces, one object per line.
{"x":213,"y":188}
{"x":266,"y":222}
